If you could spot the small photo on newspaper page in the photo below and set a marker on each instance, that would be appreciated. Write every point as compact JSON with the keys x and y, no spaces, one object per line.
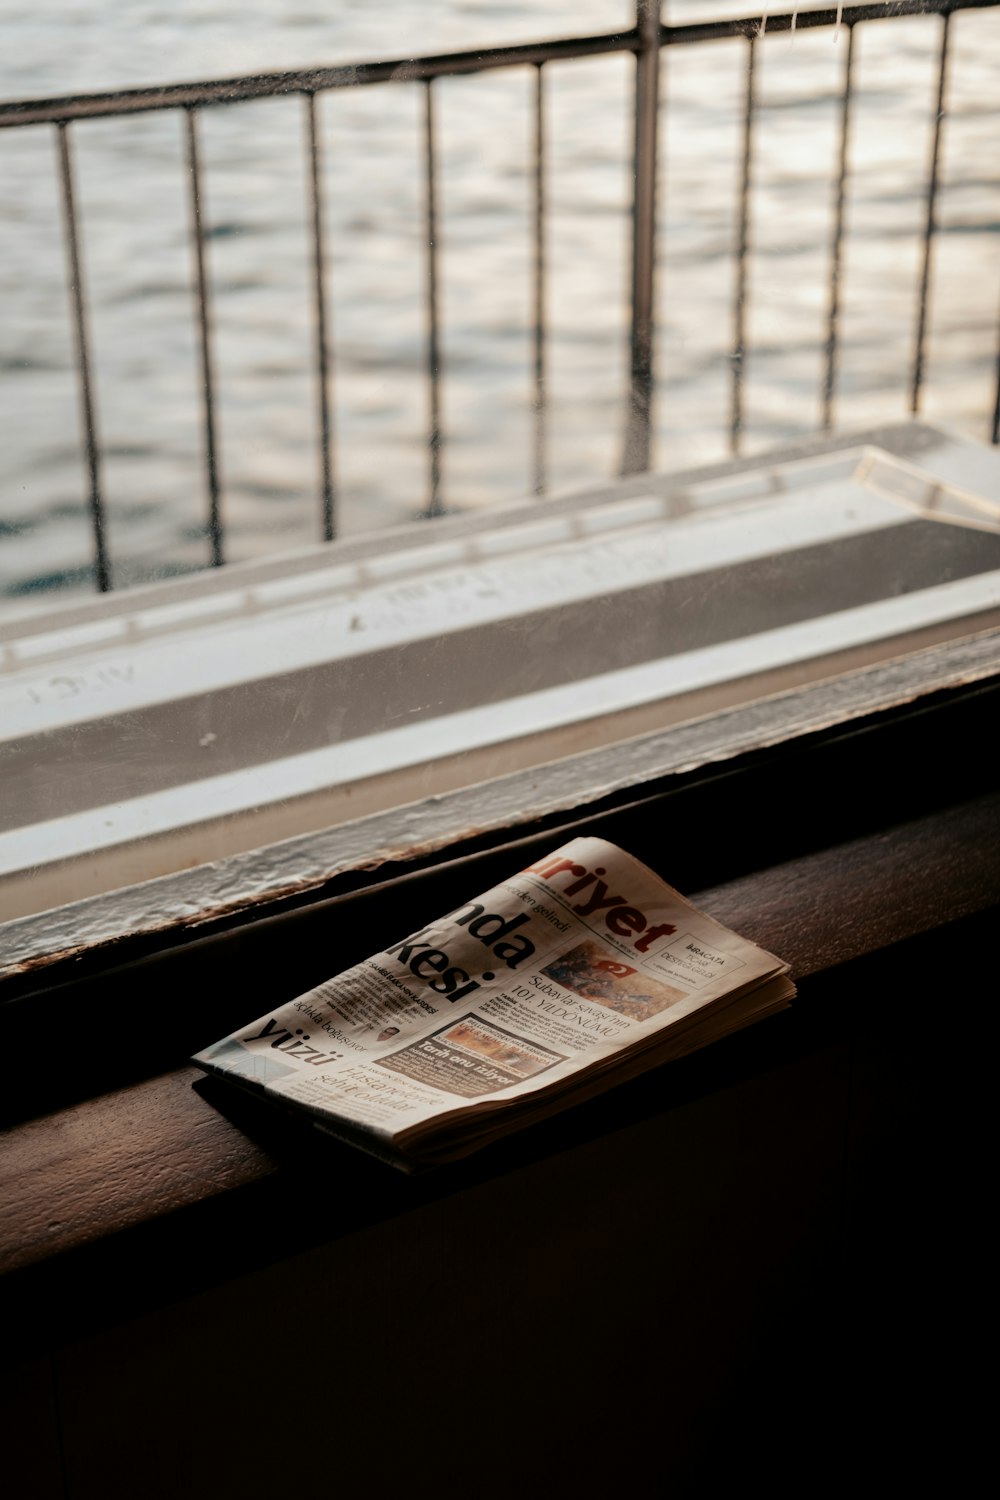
{"x":472,"y":1056}
{"x":597,"y":974}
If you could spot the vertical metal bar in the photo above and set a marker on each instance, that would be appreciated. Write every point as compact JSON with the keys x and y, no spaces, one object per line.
{"x":995,"y":434}
{"x":930,"y":226}
{"x":102,"y":571}
{"x":647,"y":89}
{"x":322,"y":349}
{"x":836,"y":248}
{"x":434,"y":505}
{"x":208,"y":397}
{"x":539,"y":227}
{"x":742,"y":249}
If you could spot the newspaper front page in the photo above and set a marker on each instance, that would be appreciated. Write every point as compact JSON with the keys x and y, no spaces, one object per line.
{"x":582,"y":970}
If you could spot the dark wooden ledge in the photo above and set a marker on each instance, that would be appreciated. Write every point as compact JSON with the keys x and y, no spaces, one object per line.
{"x":862,"y":844}
{"x":162,"y":1186}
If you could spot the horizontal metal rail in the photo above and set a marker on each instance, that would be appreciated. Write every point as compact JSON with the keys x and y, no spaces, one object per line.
{"x":644,"y":41}
{"x":451,"y":64}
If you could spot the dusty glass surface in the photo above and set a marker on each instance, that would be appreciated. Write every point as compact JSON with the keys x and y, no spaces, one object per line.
{"x":179,"y":724}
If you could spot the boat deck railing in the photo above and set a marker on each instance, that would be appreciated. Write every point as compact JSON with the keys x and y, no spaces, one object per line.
{"x":645,"y":40}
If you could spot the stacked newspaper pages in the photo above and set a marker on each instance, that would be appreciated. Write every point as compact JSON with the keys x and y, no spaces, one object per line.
{"x":583,"y":970}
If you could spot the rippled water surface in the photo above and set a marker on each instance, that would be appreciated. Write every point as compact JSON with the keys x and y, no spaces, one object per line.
{"x":138,"y":265}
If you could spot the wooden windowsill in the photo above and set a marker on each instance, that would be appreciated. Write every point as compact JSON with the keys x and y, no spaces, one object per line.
{"x":154,"y":1190}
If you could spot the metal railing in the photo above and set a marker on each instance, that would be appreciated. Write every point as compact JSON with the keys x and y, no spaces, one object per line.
{"x":644,"y":40}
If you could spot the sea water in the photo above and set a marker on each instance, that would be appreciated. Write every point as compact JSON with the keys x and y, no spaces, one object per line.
{"x":134,"y":220}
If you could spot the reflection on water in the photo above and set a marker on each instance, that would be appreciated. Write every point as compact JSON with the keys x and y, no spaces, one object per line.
{"x":132,"y":192}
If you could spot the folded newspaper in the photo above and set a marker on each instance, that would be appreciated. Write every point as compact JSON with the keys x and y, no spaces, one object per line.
{"x":583,"y":970}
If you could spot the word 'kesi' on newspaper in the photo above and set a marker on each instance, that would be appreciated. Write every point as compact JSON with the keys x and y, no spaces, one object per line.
{"x":581,"y":971}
